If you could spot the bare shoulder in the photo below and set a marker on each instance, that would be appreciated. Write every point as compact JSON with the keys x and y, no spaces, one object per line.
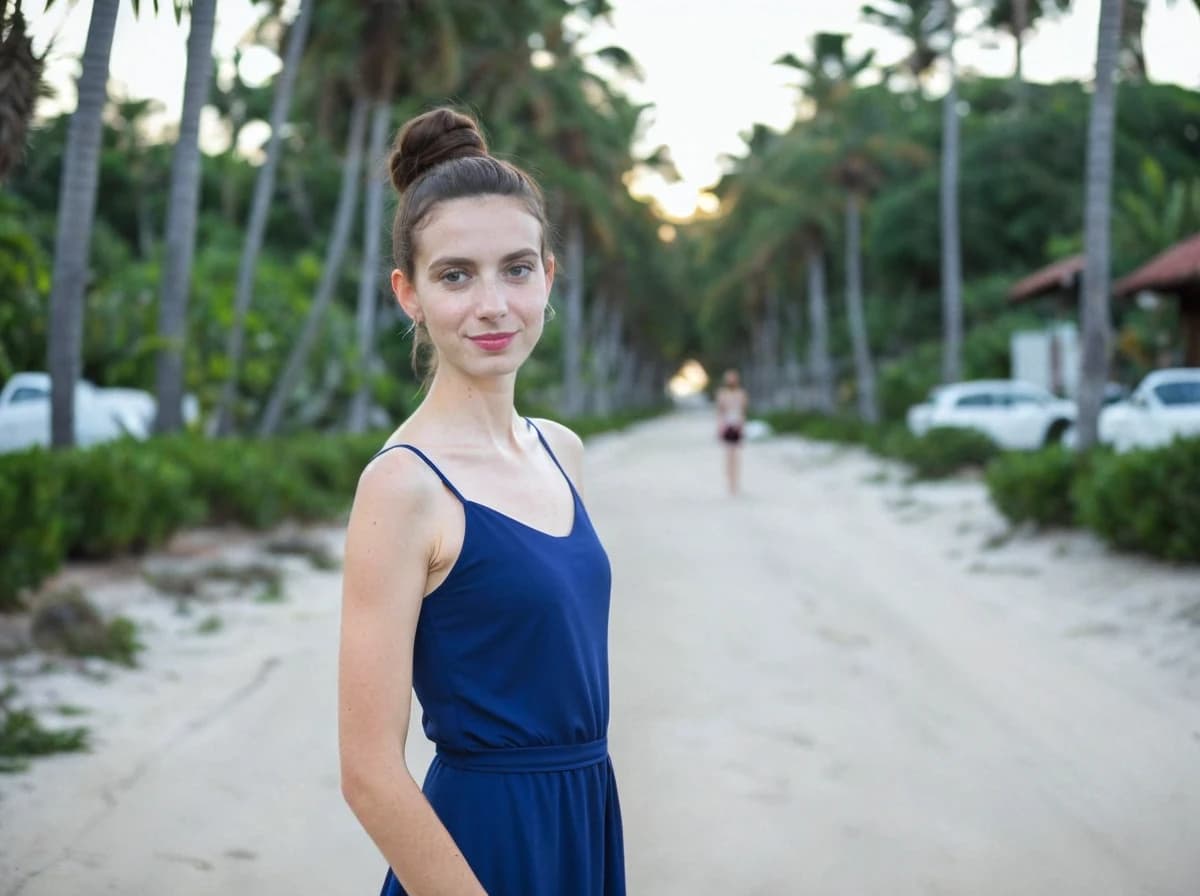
{"x":398,"y":475}
{"x":567,"y":447}
{"x":394,"y":503}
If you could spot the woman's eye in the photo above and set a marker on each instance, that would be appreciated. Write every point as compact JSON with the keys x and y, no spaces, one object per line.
{"x":523,"y":269}
{"x":453,"y":277}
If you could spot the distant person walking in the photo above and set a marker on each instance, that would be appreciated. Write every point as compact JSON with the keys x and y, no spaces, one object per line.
{"x":732,"y":404}
{"x":473,"y":575}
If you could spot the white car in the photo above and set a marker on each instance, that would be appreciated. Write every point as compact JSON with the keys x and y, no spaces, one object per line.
{"x":100,"y":414}
{"x":1164,"y":406}
{"x":1014,"y":414}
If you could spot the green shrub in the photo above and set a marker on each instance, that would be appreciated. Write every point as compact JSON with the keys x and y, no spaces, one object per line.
{"x":319,"y":474}
{"x":823,"y":427}
{"x":126,"y":495}
{"x":1037,"y":486}
{"x":1146,"y":500}
{"x":22,"y":736}
{"x":941,"y":452}
{"x":236,"y":479}
{"x":907,"y":381}
{"x":123,"y":496}
{"x":34,"y":543}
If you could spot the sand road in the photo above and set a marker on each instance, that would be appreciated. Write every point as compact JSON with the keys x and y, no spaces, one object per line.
{"x":835,"y":683}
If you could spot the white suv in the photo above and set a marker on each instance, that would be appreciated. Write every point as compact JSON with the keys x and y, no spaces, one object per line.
{"x":1014,"y":414}
{"x":1165,"y":406}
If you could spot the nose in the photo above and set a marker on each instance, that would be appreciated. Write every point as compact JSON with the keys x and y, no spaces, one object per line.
{"x":492,"y":302}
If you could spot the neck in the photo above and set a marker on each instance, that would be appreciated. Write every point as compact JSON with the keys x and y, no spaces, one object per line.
{"x":475,"y":410}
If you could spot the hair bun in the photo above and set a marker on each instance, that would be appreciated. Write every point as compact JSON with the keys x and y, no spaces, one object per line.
{"x":432,"y":138}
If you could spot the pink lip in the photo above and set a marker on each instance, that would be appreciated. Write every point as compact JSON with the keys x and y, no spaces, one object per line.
{"x":493,"y":342}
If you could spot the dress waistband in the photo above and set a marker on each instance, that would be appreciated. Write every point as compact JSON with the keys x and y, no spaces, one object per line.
{"x":556,"y":758}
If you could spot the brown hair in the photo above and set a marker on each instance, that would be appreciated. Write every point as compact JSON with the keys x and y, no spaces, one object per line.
{"x":442,"y":155}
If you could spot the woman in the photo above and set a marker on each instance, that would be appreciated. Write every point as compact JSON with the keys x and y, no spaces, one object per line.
{"x":472,"y":572}
{"x":732,"y":402}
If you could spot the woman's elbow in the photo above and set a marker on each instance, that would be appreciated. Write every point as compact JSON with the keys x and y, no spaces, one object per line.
{"x":365,"y":779}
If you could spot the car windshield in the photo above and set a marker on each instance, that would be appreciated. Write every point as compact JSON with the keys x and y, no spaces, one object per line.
{"x":1179,"y":393}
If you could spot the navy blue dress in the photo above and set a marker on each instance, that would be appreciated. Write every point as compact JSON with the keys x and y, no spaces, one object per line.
{"x":511,"y":668}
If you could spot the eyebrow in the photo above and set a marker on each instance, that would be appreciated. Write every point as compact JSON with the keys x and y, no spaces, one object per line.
{"x":466,"y":262}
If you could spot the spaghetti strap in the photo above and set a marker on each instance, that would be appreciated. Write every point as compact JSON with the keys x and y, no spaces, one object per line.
{"x":550,"y":451}
{"x":419,"y":453}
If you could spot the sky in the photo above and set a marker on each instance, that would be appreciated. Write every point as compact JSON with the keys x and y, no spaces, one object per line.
{"x":707,"y":64}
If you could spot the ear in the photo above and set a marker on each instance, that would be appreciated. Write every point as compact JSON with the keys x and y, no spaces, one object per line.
{"x":406,"y":295}
{"x":550,"y":266}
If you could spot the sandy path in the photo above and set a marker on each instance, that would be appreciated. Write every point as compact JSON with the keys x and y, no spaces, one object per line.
{"x":834,"y":684}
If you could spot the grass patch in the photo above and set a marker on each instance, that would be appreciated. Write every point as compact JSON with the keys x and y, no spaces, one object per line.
{"x":210,"y":626}
{"x":176,"y":584}
{"x":22,"y":736}
{"x":272,"y":594}
{"x":123,"y":644}
{"x":66,"y":622}
{"x":317,"y":554}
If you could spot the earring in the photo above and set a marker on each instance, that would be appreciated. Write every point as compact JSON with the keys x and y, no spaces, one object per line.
{"x":549,"y":313}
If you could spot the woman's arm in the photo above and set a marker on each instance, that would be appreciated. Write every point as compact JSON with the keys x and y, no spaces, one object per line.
{"x":391,"y":540}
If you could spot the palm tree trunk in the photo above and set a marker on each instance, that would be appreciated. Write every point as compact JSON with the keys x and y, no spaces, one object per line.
{"x":76,"y":212}
{"x":626,"y":368}
{"x":572,"y":403}
{"x":181,"y":222}
{"x":793,"y":369}
{"x":368,"y":282}
{"x":864,"y":371}
{"x":1094,"y":297}
{"x":770,"y":355}
{"x":1130,"y":44}
{"x":1020,"y":24}
{"x":285,"y":386}
{"x":952,"y":325}
{"x":818,"y":324}
{"x":256,"y":226}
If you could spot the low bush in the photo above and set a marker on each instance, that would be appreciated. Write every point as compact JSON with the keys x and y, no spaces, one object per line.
{"x":941,"y":452}
{"x":1146,"y":500}
{"x":1037,"y":487}
{"x":825,"y":428}
{"x":128,"y":496}
{"x":31,"y":520}
{"x":123,"y":496}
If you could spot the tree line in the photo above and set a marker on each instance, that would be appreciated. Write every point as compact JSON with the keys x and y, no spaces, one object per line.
{"x":257,"y":283}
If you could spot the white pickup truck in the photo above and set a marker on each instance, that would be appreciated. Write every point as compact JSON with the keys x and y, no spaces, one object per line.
{"x":100,"y":414}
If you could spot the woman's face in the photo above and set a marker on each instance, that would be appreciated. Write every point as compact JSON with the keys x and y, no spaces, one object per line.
{"x":479,"y":284}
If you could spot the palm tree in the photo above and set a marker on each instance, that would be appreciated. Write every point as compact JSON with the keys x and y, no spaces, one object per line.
{"x":20,"y":75}
{"x":857,"y":176}
{"x":76,"y":212}
{"x":1094,"y":297}
{"x":181,"y":221}
{"x":925,"y":23}
{"x":1132,"y":54}
{"x":579,"y":139}
{"x":952,"y":323}
{"x":1017,"y":17}
{"x":830,"y":77}
{"x":264,"y":188}
{"x":330,"y":273}
{"x":920,"y":22}
{"x":368,"y":279}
